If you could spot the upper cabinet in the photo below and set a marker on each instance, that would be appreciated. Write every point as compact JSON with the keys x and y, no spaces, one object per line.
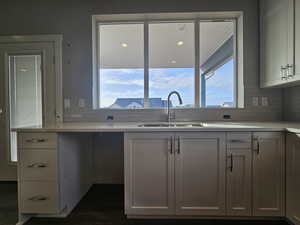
{"x":280,"y":52}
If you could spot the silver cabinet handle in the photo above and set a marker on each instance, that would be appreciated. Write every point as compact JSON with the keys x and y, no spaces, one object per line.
{"x":38,"y":198}
{"x":34,"y":140}
{"x":256,"y":145}
{"x":170,"y":145}
{"x":178,"y":145}
{"x":290,"y":71}
{"x":237,"y":141}
{"x":37,"y":165}
{"x":283,"y":72}
{"x":231,"y":162}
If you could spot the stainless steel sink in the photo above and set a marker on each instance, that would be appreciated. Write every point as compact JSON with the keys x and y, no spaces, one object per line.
{"x":171,"y":125}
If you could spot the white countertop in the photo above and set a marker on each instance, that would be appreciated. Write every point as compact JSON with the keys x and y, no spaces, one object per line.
{"x":293,"y":127}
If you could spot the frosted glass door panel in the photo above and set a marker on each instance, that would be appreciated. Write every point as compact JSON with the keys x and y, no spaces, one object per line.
{"x":25,"y":94}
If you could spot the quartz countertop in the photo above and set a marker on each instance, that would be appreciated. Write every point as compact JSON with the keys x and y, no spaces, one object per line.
{"x":293,"y":127}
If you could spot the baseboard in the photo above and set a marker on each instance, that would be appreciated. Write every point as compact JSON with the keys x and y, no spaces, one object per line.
{"x":207,"y":217}
{"x":108,"y":181}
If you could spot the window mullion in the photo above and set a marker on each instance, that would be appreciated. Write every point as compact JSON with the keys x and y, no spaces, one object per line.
{"x":146,"y":64}
{"x":197,"y":64}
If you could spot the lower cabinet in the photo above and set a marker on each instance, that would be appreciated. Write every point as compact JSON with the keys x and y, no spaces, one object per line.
{"x":239,"y":171}
{"x":204,"y":174}
{"x":200,"y":173}
{"x":157,"y":164}
{"x":149,"y":180}
{"x":49,"y":183}
{"x":268,"y":174}
{"x":293,"y":177}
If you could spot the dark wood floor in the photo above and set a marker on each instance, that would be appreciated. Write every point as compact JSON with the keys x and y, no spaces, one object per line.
{"x":103,"y":205}
{"x":8,"y":203}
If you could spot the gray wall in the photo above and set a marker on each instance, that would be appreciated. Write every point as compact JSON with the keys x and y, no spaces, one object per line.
{"x":73,"y":20}
{"x":292,"y":104}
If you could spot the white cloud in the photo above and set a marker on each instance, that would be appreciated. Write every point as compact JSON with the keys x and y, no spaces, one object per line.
{"x":162,"y":79}
{"x":124,"y":82}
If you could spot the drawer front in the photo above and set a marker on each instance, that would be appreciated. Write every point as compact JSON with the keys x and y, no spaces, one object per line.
{"x":38,"y":165}
{"x":39,"y":197}
{"x":38,"y":140}
{"x":239,"y":140}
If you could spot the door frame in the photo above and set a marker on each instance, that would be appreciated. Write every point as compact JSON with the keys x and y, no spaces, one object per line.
{"x":56,"y":40}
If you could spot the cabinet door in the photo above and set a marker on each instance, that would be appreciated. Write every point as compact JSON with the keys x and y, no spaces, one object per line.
{"x":297,"y":40}
{"x":149,"y":174}
{"x":200,"y":173}
{"x":277,"y":40}
{"x":293,"y":178}
{"x":239,"y":166}
{"x":268,"y":174}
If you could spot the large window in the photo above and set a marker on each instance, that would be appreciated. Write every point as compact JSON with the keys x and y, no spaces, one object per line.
{"x":141,"y":61}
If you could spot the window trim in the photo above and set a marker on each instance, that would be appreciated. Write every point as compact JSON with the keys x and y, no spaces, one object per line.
{"x":196,"y":18}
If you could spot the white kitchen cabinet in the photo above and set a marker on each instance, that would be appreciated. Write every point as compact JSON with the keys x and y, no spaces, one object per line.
{"x":200,"y":173}
{"x":297,"y":41}
{"x":199,"y":176}
{"x":268,"y":174}
{"x":293,"y":177}
{"x":49,"y":183}
{"x":239,"y":170}
{"x":279,"y":43}
{"x":179,"y":174}
{"x":149,"y":174}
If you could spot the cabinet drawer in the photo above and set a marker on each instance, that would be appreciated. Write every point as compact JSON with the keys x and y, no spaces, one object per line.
{"x":39,"y":197}
{"x":38,"y":140}
{"x":38,"y":165}
{"x":239,"y":140}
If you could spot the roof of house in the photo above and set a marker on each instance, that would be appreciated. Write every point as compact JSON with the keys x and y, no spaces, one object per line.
{"x":139,"y":103}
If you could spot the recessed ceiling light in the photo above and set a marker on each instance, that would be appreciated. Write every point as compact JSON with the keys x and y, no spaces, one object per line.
{"x":173,"y":61}
{"x":124,"y":45}
{"x":179,"y":43}
{"x":23,"y":70}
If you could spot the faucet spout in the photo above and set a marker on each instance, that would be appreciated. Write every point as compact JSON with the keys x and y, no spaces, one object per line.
{"x":180,"y":102}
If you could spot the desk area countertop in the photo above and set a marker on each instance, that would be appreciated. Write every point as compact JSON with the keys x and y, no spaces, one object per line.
{"x":293,"y":127}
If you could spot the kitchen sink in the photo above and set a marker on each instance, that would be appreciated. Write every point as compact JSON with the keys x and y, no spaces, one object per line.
{"x":171,"y":125}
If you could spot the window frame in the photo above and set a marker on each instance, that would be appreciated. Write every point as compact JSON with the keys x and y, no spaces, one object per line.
{"x":196,"y":18}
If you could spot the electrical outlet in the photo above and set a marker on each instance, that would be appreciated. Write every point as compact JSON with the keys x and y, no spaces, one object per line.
{"x":255,"y":101}
{"x":264,"y":101}
{"x":67,"y":103}
{"x":81,"y":103}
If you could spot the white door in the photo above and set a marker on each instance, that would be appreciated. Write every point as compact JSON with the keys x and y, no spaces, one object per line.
{"x":268,"y":174}
{"x":149,"y":174}
{"x":293,"y":177}
{"x":277,"y":40}
{"x":200,"y":173}
{"x":239,"y":166}
{"x":28,"y":94}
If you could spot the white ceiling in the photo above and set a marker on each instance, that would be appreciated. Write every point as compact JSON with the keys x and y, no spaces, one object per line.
{"x":163,"y":49}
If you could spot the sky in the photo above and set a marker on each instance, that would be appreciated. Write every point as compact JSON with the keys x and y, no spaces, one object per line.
{"x":129,"y":83}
